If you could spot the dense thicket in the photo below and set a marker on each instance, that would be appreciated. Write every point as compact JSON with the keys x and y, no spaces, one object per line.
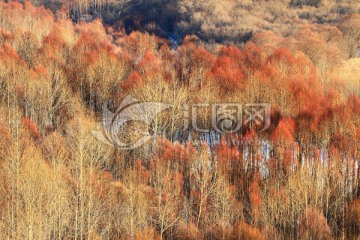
{"x":300,"y":178}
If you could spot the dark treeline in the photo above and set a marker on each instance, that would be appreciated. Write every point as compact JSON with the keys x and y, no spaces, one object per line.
{"x":213,"y":21}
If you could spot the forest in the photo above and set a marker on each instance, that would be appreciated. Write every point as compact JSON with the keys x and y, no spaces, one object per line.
{"x":294,"y":176}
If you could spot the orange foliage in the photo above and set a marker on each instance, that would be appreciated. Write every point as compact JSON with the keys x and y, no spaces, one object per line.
{"x":8,"y":53}
{"x":132,"y":82}
{"x":149,"y":67}
{"x":188,"y":231}
{"x":227,"y":155}
{"x":174,"y":151}
{"x":254,"y":56}
{"x":94,"y":30}
{"x":143,"y":173}
{"x":147,"y":233}
{"x":254,"y":191}
{"x":198,"y":57}
{"x":284,"y":132}
{"x":353,"y":218}
{"x":244,"y":231}
{"x":137,"y":44}
{"x":87,"y":48}
{"x":31,"y":127}
{"x":228,"y":70}
{"x":53,"y":45}
{"x":313,"y":224}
